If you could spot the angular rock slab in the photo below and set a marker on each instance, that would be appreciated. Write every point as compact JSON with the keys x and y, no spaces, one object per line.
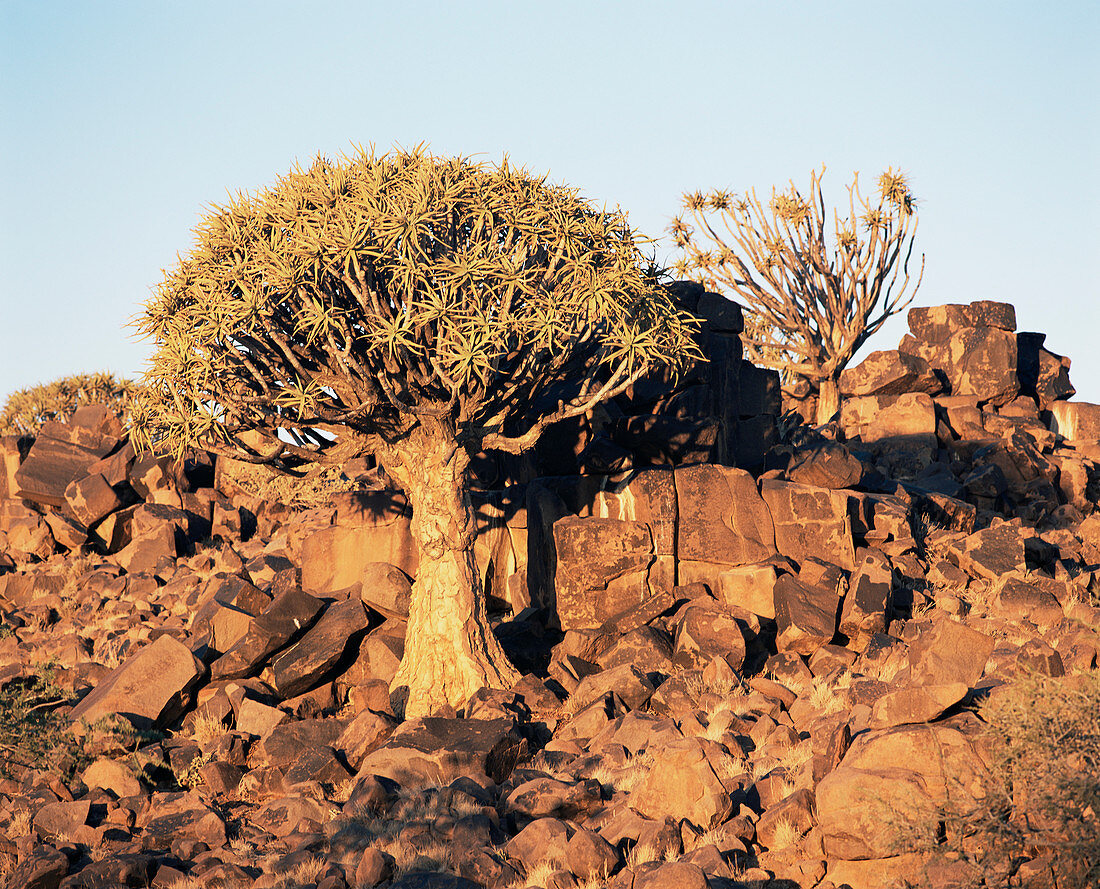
{"x":868,"y":600}
{"x":722,"y":518}
{"x":993,"y":552}
{"x":889,"y":372}
{"x":949,"y":652}
{"x":974,"y":346}
{"x":805,"y":615}
{"x":706,"y":632}
{"x":810,"y":522}
{"x":91,"y":498}
{"x":684,"y":785}
{"x":916,"y":704}
{"x":303,"y":665}
{"x":908,"y":423}
{"x":334,"y":558}
{"x":602,"y":569}
{"x":436,"y":751}
{"x":150,"y":688}
{"x":290,"y":614}
{"x":60,"y":455}
{"x":1076,"y":420}
{"x":826,"y":465}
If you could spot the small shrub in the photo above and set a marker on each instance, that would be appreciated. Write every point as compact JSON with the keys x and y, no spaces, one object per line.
{"x":33,"y":735}
{"x":1044,"y":802}
{"x":191,"y":776}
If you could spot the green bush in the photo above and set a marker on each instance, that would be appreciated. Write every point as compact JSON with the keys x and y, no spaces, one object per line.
{"x":33,"y":735}
{"x":25,"y":410}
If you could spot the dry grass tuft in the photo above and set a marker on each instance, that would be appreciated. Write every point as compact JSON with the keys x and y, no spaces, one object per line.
{"x":643,"y":853}
{"x":207,"y":728}
{"x":21,"y":824}
{"x":786,"y":834}
{"x":539,"y":873}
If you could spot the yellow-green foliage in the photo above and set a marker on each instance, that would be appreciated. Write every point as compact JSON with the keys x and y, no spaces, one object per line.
{"x":1044,"y":801}
{"x":27,"y":409}
{"x":364,"y":295}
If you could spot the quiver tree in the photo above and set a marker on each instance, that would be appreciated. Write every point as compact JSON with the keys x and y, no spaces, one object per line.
{"x":25,"y":410}
{"x":812,"y":300}
{"x":417,"y":309}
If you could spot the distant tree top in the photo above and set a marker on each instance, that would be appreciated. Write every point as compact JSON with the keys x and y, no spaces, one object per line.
{"x":25,"y":410}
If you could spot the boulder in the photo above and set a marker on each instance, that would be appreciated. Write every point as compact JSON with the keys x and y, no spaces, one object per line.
{"x":889,"y":373}
{"x":627,"y":681}
{"x":386,"y":589}
{"x":751,"y":587}
{"x":336,"y":556}
{"x":56,"y":460}
{"x":1017,"y":600}
{"x":603,"y":569}
{"x":993,"y":552}
{"x":1076,"y":421}
{"x":868,"y":600}
{"x":828,"y":464}
{"x":542,"y":840}
{"x":90,"y":498}
{"x":436,"y":751}
{"x":1043,"y":375}
{"x":974,"y":346}
{"x":307,"y":662}
{"x":949,"y":652}
{"x":708,"y":631}
{"x":289,"y":614}
{"x":109,"y":774}
{"x":684,"y":786}
{"x":551,"y":798}
{"x":805,"y":615}
{"x":796,"y":810}
{"x":150,"y":688}
{"x":648,"y":496}
{"x":909,"y":422}
{"x":289,"y":742}
{"x":722,"y":517}
{"x":916,"y":704}
{"x":810,"y":521}
{"x":893,"y":783}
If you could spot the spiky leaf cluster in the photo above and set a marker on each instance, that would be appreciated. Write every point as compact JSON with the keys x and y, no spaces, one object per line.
{"x":25,"y":410}
{"x":361,"y":296}
{"x":814,"y":297}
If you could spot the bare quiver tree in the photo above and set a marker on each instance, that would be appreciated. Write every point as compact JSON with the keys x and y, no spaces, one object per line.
{"x":812,"y":300}
{"x":418,"y":309}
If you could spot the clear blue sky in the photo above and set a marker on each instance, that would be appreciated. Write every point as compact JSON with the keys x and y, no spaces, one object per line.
{"x":120,"y":121}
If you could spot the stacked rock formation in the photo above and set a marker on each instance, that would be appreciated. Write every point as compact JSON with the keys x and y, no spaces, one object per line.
{"x":733,"y":674}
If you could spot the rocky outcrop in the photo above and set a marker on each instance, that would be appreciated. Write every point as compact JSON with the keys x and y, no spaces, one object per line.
{"x":728,"y":675}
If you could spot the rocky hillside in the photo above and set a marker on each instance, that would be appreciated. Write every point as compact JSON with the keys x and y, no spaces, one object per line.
{"x":758,"y":660}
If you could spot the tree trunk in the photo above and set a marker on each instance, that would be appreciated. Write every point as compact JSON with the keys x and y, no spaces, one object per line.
{"x":450,"y":649}
{"x":828,"y":401}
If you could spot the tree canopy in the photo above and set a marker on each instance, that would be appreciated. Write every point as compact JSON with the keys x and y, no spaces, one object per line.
{"x":355,"y":298}
{"x":816,"y":288}
{"x":25,"y":410}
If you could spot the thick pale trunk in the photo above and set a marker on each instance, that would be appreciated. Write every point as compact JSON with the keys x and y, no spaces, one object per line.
{"x":450,"y":649}
{"x":828,"y":401}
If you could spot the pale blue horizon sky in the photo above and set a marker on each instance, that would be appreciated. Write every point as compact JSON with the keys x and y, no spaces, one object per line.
{"x":122,"y":121}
